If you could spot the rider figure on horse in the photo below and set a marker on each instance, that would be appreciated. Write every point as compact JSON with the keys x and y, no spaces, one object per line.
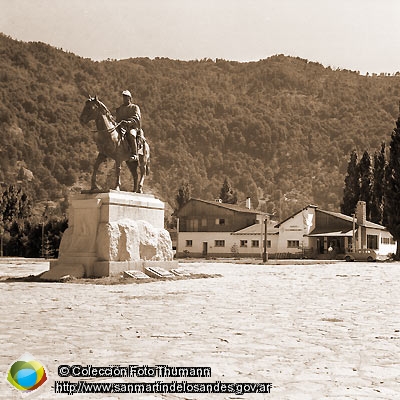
{"x":129,"y":117}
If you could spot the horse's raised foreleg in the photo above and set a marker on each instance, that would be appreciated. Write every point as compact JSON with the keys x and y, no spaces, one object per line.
{"x":99,"y":160}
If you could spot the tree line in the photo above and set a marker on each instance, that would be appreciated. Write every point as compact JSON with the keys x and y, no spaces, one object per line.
{"x":376,"y":180}
{"x":24,"y":234}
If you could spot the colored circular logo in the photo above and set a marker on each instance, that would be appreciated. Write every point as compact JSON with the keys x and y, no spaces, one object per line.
{"x":27,"y":374}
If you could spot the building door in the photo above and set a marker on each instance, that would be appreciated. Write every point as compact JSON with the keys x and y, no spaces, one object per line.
{"x":205,"y":248}
{"x":320,"y":246}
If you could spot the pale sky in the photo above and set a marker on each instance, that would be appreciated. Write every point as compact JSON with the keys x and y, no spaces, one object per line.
{"x":360,"y":35}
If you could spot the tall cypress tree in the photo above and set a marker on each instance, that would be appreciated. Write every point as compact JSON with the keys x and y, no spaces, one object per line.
{"x":378,"y":186}
{"x":351,"y":192}
{"x":184,"y":195}
{"x":392,"y":191}
{"x":366,"y":179}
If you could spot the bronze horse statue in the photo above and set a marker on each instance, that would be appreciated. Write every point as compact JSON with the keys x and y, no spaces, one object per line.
{"x":111,"y":143}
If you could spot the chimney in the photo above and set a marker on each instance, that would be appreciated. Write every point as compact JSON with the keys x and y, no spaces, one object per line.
{"x":248,"y":203}
{"x":361,"y":212}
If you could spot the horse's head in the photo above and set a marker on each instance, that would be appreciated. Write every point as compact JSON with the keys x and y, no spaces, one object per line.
{"x":93,"y":109}
{"x":90,"y":111}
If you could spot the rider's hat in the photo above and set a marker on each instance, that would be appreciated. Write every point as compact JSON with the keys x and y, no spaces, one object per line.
{"x":126,"y":93}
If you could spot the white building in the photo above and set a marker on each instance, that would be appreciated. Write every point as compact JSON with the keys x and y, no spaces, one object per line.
{"x":313,"y":232}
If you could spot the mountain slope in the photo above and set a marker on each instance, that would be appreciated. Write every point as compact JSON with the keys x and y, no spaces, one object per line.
{"x":280,"y":129}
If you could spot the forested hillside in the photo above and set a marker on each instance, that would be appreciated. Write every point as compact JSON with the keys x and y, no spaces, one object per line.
{"x":280,"y":129}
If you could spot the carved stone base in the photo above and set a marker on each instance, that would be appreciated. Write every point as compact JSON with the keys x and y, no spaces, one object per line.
{"x":109,"y":230}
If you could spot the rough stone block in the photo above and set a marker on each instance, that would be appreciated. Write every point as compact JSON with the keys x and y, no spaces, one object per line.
{"x":127,"y":240}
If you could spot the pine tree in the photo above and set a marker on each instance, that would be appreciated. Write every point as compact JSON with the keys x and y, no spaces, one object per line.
{"x":15,"y":208}
{"x":378,"y":186}
{"x":227,"y":194}
{"x":351,"y":192}
{"x":47,"y":249}
{"x":392,"y":190}
{"x":14,"y":205}
{"x":366,"y":179}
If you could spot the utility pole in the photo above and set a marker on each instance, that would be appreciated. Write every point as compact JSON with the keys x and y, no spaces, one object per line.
{"x":44,"y":218}
{"x":43,"y":239}
{"x":1,"y":235}
{"x":265,"y":254}
{"x":1,"y":240}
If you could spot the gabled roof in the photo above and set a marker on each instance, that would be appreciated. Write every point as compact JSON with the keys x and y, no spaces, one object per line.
{"x":232,"y":207}
{"x":297,"y":212}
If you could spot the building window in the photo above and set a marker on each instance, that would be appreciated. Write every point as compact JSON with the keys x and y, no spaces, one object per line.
{"x":293,"y":244}
{"x":220,"y":221}
{"x":220,"y":243}
{"x":255,"y":243}
{"x":386,"y":240}
{"x":189,"y":243}
{"x":243,"y":243}
{"x":193,"y":225}
{"x":204,"y":222}
{"x":268,"y":243}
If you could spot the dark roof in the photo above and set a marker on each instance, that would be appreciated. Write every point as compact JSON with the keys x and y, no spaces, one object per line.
{"x":367,"y":224}
{"x":232,"y":207}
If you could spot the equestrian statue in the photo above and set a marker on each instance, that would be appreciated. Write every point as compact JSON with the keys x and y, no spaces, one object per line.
{"x":121,"y":140}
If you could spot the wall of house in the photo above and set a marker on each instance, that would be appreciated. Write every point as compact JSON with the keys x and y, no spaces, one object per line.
{"x":250,"y":250}
{"x":199,"y":238}
{"x":292,"y":231}
{"x":386,"y":243}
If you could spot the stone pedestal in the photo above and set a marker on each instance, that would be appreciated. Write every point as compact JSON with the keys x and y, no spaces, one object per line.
{"x":112,"y":232}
